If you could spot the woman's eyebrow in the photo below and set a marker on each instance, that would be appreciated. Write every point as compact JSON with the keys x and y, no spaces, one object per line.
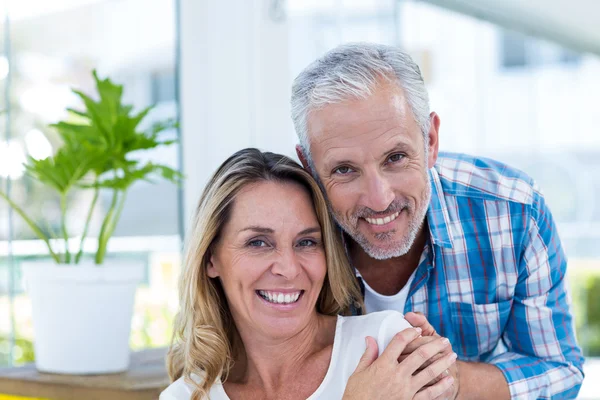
{"x":256,"y":228}
{"x":314,"y":229}
{"x":262,"y":229}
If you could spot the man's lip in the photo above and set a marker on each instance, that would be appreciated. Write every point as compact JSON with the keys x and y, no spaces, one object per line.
{"x":385,"y":227}
{"x":395,"y":215}
{"x":383,"y":215}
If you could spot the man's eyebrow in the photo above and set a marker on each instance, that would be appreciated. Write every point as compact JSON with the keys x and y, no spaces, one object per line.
{"x":256,"y":228}
{"x":332,"y":162}
{"x":400,"y":146}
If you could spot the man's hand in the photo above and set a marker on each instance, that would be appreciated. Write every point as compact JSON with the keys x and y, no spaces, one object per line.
{"x":386,"y":378}
{"x":418,"y":320}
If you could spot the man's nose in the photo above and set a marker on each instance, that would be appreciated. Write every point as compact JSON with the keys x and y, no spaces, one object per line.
{"x":378,"y":193}
{"x":286,"y":264}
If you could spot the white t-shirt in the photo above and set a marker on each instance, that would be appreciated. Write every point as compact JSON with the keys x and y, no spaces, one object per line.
{"x":348,"y":348}
{"x":379,"y":302}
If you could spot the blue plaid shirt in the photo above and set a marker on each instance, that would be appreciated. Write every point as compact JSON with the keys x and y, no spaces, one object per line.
{"x":492,"y":277}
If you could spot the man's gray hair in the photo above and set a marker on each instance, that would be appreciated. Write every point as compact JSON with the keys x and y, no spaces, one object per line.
{"x":352,"y":71}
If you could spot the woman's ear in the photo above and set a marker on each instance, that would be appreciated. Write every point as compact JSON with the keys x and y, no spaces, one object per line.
{"x":211,"y":269}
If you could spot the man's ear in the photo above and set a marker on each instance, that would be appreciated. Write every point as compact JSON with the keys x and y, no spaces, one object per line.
{"x":211,"y":269}
{"x":434,"y":142}
{"x":303,"y":159}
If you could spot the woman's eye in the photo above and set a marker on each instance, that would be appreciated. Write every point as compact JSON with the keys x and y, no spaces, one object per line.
{"x":395,"y":158}
{"x":307,"y":243}
{"x":257,"y":243}
{"x":342,"y":170}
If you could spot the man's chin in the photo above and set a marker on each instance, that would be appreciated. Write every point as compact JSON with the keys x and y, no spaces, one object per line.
{"x":385,"y":251}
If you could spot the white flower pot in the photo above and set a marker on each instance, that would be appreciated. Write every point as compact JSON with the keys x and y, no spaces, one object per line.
{"x":82,"y":315}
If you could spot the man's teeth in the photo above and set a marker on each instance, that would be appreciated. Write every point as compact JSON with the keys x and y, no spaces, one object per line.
{"x":382,"y":221}
{"x":279,"y":298}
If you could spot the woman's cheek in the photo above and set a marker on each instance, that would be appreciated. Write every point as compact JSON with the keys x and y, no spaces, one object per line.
{"x":314,"y":262}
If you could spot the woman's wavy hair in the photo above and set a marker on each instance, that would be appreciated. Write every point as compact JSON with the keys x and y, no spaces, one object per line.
{"x":205,"y":337}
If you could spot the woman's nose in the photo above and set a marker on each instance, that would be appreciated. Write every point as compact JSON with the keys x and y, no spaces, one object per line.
{"x":378,"y":193}
{"x":286,"y":265}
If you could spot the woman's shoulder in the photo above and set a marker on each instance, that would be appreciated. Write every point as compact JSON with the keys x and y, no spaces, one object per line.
{"x":178,"y":390}
{"x":182,"y":389}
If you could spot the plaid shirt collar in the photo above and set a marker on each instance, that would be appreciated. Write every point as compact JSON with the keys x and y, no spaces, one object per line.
{"x":437,"y":214}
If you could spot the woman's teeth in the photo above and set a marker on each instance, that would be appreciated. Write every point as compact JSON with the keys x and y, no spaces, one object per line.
{"x":279,"y":298}
{"x":382,"y":221}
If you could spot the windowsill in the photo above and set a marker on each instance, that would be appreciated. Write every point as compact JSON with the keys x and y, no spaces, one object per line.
{"x":145,"y":379}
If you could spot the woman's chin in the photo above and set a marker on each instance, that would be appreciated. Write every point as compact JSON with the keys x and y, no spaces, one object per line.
{"x":281,"y":319}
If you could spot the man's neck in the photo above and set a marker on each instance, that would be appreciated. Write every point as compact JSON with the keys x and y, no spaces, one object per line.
{"x":388,"y":277}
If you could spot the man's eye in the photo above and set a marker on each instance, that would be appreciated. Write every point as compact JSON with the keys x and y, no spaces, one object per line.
{"x":257,"y":243}
{"x":395,"y":158}
{"x":343,"y":170}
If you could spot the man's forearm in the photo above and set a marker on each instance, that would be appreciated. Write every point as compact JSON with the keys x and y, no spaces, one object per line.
{"x":479,"y":381}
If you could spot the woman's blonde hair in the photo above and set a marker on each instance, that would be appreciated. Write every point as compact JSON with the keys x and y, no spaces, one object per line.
{"x":205,"y":335}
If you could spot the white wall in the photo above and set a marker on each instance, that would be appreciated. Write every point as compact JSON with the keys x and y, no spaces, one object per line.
{"x":234,"y":86}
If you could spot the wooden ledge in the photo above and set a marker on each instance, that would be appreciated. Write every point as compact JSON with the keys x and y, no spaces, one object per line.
{"x":145,"y":379}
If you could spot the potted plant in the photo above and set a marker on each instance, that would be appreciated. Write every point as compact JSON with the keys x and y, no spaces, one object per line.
{"x":82,"y":308}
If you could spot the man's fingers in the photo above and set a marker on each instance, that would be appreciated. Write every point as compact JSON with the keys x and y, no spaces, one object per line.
{"x":434,"y":370}
{"x":418,"y":342}
{"x":421,"y":355}
{"x":417,"y":319}
{"x":448,"y":394}
{"x":435,"y":391}
{"x":369,"y":355}
{"x":398,"y":343}
{"x":432,"y":360}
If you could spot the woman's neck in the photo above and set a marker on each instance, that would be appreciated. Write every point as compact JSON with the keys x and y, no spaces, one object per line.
{"x":271,"y":363}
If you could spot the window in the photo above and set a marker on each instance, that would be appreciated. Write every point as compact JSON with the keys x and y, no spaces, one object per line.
{"x":49,"y":48}
{"x":518,"y":51}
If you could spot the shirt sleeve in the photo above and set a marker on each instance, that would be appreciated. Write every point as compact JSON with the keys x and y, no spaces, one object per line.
{"x":544,"y":360}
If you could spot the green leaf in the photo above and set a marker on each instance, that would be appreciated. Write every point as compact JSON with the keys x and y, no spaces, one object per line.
{"x":98,"y":152}
{"x":32,"y":225}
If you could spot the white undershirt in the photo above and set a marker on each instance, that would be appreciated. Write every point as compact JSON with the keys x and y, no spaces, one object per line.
{"x":379,"y":302}
{"x":348,"y":347}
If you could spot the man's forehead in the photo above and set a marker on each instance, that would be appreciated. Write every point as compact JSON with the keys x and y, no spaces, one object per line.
{"x":332,"y":134}
{"x":385,"y":107}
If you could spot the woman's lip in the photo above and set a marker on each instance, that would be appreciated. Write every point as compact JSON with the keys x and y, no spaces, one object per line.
{"x":285,"y":291}
{"x":281,"y":306}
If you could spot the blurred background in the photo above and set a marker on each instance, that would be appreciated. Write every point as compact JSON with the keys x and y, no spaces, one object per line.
{"x":516,"y":81}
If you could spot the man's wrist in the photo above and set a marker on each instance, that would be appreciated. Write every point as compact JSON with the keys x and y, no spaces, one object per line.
{"x":458,"y":379}
{"x":480,"y":381}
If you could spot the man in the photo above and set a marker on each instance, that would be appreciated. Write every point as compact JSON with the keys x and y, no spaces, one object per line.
{"x":468,"y":243}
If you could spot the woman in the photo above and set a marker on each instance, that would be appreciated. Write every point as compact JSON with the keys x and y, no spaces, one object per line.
{"x":265,"y":279}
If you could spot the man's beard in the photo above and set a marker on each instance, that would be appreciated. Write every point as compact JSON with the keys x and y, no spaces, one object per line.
{"x":392,"y":248}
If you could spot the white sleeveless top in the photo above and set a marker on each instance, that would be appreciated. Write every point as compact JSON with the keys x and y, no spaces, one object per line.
{"x":348,"y":348}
